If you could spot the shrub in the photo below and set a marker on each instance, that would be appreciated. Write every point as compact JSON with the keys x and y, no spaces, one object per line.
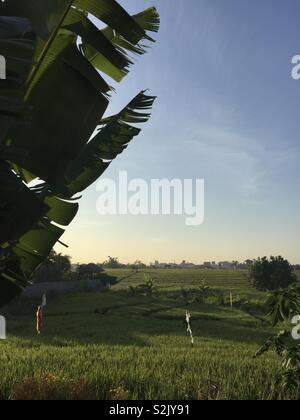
{"x":220,"y":298}
{"x":149,"y":287}
{"x":132,"y":291}
{"x":204,"y":291}
{"x":271,"y":274}
{"x":186,"y":295}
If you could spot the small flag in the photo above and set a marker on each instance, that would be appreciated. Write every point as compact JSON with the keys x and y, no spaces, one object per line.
{"x":188,"y":318}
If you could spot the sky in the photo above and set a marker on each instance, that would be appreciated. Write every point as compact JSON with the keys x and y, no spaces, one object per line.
{"x":228,"y":112}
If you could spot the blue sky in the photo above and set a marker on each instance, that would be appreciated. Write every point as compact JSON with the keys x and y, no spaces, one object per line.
{"x":228,"y":112}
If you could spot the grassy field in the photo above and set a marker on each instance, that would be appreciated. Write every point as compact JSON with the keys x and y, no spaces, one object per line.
{"x":121,"y":345}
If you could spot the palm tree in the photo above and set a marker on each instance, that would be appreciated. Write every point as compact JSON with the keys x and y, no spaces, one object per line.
{"x":52,"y":101}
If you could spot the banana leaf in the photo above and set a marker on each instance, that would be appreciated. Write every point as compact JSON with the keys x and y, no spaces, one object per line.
{"x":52,"y":101}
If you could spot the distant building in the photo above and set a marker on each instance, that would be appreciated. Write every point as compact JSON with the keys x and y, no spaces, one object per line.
{"x":226,"y":265}
{"x":186,"y":264}
{"x":157,"y":264}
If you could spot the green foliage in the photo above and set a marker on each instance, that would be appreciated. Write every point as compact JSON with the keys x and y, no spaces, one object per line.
{"x":282,"y":305}
{"x":199,"y":295}
{"x":186,"y":295}
{"x":54,"y":269}
{"x":204,"y":290}
{"x":271,"y":274}
{"x":124,"y":354}
{"x":89,"y":271}
{"x":52,"y":102}
{"x":112,"y":262}
{"x":149,"y":286}
{"x":288,"y":377}
{"x":132,"y":291}
{"x":221,"y":299}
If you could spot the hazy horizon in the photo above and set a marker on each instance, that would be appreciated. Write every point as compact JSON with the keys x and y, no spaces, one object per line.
{"x":196,"y":263}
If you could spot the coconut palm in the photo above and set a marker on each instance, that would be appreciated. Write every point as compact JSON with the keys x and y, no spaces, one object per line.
{"x":52,"y":125}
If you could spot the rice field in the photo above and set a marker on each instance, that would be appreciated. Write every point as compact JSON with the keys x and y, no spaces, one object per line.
{"x":123,"y":344}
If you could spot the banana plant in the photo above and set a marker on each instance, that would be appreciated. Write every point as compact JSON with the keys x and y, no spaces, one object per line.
{"x":54,"y":139}
{"x":282,"y":306}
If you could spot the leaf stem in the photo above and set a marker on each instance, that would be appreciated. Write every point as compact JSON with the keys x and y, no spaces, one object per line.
{"x":46,"y":48}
